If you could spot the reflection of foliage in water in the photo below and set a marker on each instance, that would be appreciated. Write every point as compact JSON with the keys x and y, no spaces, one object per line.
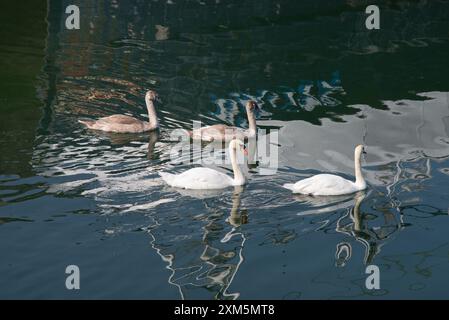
{"x":306,"y":97}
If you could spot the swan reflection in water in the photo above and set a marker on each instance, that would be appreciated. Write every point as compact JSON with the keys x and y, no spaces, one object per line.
{"x":121,"y":139}
{"x":219,"y":253}
{"x":343,"y":251}
{"x":406,"y":179}
{"x":238,"y":216}
{"x":354,"y":222}
{"x":154,"y":137}
{"x":357,"y":228}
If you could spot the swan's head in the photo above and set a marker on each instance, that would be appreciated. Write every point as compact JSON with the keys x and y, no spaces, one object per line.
{"x":152,"y":96}
{"x":360,"y":149}
{"x":252,"y":106}
{"x":237,"y":144}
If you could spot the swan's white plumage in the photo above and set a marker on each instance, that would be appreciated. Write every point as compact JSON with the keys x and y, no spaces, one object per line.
{"x":198,"y":178}
{"x":323,"y":185}
{"x":206,"y":178}
{"x":330,"y":184}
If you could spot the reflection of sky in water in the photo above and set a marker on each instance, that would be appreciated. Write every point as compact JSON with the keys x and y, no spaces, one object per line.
{"x":306,"y":97}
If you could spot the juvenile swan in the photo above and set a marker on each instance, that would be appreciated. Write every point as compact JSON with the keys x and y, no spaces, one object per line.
{"x":206,"y":178}
{"x":329,"y":184}
{"x":126,"y":124}
{"x":223,"y":132}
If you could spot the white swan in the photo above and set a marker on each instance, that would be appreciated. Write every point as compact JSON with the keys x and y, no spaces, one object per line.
{"x":125,"y":124}
{"x":329,"y":184}
{"x":221,"y":132}
{"x":206,"y":178}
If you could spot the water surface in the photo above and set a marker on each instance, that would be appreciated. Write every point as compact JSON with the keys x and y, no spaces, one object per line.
{"x":72,"y":196}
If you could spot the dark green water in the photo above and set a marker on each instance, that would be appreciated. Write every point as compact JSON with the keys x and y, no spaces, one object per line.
{"x":73,"y":196}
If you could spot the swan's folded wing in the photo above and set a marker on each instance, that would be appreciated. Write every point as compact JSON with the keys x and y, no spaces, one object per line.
{"x":324,"y":184}
{"x":202,"y":178}
{"x":120,"y":119}
{"x":119,"y":123}
{"x":218,"y":132}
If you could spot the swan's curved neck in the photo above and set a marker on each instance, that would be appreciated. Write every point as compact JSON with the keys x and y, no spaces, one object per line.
{"x":152,"y":115}
{"x":239,"y":178}
{"x":251,"y":122}
{"x":359,"y":180}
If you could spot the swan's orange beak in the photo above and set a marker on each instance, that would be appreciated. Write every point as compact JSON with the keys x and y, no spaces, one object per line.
{"x":245,"y":151}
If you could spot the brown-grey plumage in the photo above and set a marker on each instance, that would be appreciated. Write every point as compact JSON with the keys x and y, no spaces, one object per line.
{"x":125,"y":124}
{"x":223,"y":132}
